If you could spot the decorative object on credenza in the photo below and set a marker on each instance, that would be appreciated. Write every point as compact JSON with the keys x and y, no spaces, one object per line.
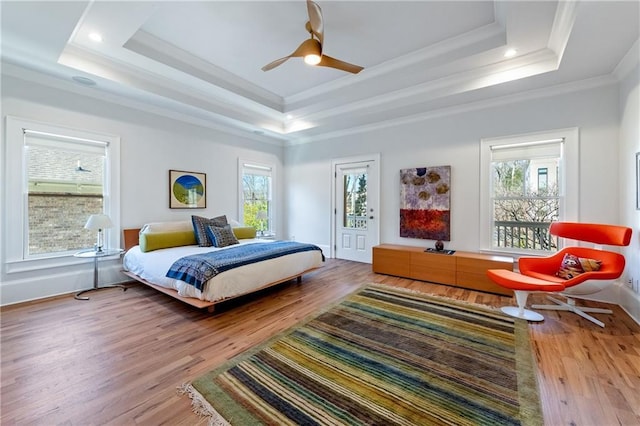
{"x":187,"y":190}
{"x":425,"y":199}
{"x":432,"y":250}
{"x":98,"y":222}
{"x":439,"y":245}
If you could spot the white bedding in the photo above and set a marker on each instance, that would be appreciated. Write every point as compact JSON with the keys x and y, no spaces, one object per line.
{"x":153,"y":266}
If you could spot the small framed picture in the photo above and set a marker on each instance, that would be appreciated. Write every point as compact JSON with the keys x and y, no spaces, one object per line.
{"x":187,"y":190}
{"x":637,"y":180}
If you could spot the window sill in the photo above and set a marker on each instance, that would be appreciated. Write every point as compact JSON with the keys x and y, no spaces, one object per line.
{"x":516,"y":254}
{"x":60,"y":261}
{"x":266,"y":237}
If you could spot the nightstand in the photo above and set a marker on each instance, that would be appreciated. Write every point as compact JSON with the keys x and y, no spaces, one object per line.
{"x":95,"y":255}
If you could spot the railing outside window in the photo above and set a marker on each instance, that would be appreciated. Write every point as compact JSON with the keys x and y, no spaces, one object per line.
{"x":524,"y":235}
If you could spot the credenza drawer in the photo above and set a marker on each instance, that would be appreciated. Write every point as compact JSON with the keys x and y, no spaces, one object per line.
{"x":391,"y":262}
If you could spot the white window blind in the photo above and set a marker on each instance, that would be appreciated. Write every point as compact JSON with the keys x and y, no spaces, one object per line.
{"x":529,"y":150}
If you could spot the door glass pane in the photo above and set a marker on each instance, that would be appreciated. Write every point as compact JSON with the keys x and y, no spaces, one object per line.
{"x":355,"y":200}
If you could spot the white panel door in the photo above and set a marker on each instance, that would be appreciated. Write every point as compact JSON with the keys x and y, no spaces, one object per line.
{"x":356,"y":230}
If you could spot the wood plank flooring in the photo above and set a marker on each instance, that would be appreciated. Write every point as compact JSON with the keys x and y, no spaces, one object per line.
{"x":118,"y":358}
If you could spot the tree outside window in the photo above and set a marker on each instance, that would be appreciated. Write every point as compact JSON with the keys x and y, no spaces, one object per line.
{"x":355,"y":206}
{"x":523,"y":212}
{"x":257,"y":198}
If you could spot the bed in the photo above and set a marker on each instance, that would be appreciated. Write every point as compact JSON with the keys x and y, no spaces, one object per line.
{"x":152,"y":251}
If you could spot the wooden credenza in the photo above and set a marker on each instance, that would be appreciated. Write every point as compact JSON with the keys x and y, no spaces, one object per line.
{"x":461,"y":269}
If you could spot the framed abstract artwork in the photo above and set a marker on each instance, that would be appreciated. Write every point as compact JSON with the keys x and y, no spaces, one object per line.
{"x":187,"y":190}
{"x":425,"y":203}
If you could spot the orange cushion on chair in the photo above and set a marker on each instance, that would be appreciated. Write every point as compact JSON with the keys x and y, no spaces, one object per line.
{"x":611,"y":266}
{"x":515,"y":281}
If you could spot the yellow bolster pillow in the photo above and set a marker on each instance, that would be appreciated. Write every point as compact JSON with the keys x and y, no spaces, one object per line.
{"x":159,"y":240}
{"x":243,"y":232}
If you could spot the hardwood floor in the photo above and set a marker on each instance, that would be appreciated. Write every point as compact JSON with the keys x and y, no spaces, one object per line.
{"x":119,"y":357}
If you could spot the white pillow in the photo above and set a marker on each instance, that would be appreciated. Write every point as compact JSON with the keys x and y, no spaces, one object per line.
{"x":177,"y":226}
{"x":233,"y":223}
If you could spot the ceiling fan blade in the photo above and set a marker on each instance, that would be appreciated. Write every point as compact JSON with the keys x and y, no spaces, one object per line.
{"x":328,"y":61}
{"x":309,"y":46}
{"x":275,"y":63}
{"x":315,"y":20}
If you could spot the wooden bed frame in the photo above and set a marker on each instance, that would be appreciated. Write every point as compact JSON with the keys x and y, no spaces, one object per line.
{"x":131,"y":239}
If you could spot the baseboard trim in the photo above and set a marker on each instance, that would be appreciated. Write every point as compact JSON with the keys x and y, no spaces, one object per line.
{"x":70,"y":281}
{"x":618,"y":294}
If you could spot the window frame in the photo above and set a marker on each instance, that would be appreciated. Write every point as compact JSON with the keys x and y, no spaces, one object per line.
{"x":543,"y":171}
{"x":15,"y":222}
{"x":246,"y":163}
{"x":568,"y":188}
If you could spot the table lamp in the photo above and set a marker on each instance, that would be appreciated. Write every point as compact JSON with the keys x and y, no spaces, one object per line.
{"x":261,"y":216}
{"x":98,"y":222}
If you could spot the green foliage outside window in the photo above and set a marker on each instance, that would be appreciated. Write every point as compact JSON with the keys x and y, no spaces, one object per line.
{"x":256,"y":192}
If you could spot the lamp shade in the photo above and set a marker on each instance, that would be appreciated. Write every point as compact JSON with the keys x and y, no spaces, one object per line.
{"x":98,"y":221}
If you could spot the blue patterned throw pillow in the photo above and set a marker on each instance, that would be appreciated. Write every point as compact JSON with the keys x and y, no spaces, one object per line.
{"x":221,"y":236}
{"x":200,"y":228}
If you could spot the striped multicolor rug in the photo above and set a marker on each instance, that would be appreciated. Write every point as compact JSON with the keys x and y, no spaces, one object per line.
{"x":382,"y":356}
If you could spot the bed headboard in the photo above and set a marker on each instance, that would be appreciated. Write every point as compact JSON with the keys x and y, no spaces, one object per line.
{"x":131,"y":237}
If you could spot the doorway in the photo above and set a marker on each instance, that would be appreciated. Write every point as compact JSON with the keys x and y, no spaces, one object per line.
{"x":356,"y":206}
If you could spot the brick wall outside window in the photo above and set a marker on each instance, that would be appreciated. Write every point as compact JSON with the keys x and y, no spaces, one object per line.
{"x":56,"y":222}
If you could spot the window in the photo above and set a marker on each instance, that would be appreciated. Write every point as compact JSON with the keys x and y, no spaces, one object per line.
{"x":256,"y":198}
{"x":525,"y":182}
{"x":60,"y":177}
{"x":65,"y":181}
{"x":543,"y":178}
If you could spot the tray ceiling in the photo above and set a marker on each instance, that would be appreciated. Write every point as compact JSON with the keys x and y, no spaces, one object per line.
{"x":201,"y":61}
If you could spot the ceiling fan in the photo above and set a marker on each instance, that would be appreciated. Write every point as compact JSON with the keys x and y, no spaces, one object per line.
{"x":311,"y":49}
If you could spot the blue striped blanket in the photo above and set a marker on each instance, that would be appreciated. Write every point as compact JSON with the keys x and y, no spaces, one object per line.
{"x":197,"y":269}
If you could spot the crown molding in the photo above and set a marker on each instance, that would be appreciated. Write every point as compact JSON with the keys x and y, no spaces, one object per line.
{"x":149,"y":105}
{"x":527,"y":65}
{"x":465,"y":44}
{"x":629,"y":62}
{"x":528,"y":95}
{"x":226,"y":106}
{"x":562,"y":25}
{"x":165,"y":53}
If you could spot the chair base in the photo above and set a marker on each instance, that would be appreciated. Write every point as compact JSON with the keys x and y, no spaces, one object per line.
{"x":570,"y":306}
{"x":526,"y":314}
{"x":520,"y":311}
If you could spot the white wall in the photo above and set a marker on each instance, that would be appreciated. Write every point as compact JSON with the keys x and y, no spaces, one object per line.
{"x":455,"y":140}
{"x":630,"y":216}
{"x":150,"y":146}
{"x":606,"y":116}
{"x":607,"y":155}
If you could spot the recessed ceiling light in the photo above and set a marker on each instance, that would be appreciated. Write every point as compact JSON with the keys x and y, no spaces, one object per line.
{"x":83,"y":80}
{"x":289,"y":116}
{"x":510,"y":53}
{"x":95,"y":37}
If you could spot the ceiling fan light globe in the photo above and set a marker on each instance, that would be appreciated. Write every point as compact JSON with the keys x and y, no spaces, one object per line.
{"x":312,"y":59}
